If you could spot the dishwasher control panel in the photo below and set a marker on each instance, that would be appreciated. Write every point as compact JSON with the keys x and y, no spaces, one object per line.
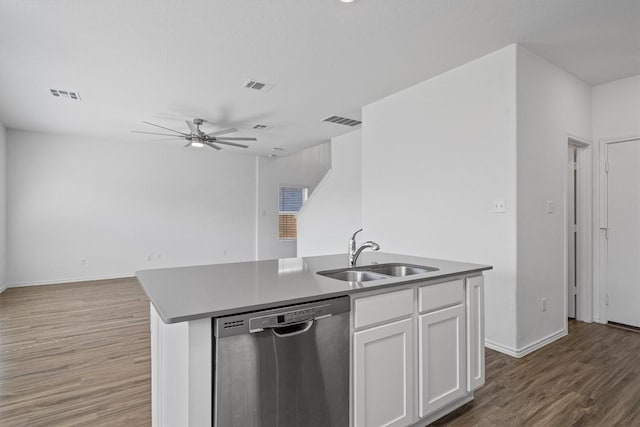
{"x":256,"y":321}
{"x":288,"y":317}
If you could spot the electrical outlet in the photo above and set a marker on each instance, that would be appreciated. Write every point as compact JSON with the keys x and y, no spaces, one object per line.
{"x":83,"y":261}
{"x":543,"y":304}
{"x":499,"y":206}
{"x":149,"y":257}
{"x":224,"y":252}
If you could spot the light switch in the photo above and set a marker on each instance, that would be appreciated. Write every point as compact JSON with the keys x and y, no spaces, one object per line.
{"x":499,"y":206}
{"x":550,"y":206}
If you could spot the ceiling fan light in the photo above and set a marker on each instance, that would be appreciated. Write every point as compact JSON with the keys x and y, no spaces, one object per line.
{"x":197,"y":144}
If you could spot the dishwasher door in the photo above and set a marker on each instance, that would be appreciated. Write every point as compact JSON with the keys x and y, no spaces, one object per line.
{"x":287,"y":367}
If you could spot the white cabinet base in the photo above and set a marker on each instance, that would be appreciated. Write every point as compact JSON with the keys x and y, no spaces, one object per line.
{"x":445,"y":410}
{"x":442,"y":361}
{"x":475,"y":332}
{"x":383,"y":381}
{"x":180,"y":372}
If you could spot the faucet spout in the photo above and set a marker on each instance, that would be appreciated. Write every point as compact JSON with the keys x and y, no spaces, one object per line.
{"x":355,"y":253}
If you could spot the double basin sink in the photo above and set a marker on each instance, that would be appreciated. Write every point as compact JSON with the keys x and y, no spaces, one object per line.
{"x":376,"y":272}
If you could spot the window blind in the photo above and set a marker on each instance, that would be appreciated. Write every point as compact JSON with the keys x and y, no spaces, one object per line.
{"x":290,"y":200}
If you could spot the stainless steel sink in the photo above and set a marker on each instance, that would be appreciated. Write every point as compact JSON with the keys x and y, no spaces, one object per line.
{"x":353,"y":275}
{"x":400,"y":270}
{"x":368,"y":273}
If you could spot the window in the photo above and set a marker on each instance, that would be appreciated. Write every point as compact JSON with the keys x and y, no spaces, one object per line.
{"x":290,"y":200}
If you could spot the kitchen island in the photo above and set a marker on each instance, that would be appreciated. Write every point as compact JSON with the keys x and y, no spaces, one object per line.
{"x":429,"y":325}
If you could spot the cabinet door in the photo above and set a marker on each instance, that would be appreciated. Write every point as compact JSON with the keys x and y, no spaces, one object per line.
{"x":383,"y":377}
{"x":475,"y":332}
{"x":442,"y":358}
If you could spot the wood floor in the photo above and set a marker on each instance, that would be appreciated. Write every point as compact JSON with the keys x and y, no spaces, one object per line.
{"x":589,"y":378}
{"x":75,"y":354}
{"x":78,"y":354}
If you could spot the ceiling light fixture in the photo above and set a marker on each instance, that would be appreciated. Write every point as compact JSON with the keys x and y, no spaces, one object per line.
{"x":346,"y":1}
{"x":197,"y":144}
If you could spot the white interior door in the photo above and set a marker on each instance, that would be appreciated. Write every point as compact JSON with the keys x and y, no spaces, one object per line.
{"x":571,"y":233}
{"x":623,"y":229}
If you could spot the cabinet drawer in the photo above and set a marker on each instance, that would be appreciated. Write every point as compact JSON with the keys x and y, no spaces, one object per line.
{"x":383,"y":307}
{"x":440,"y":295}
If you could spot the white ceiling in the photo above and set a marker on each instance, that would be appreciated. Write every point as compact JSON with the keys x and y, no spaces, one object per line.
{"x":169,"y":60}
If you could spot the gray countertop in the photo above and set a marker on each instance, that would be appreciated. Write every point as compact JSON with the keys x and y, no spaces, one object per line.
{"x":188,"y":293}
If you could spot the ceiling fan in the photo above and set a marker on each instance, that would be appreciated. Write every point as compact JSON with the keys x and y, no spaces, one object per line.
{"x":197,"y":138}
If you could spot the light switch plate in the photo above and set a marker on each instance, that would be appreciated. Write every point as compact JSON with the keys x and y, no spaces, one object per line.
{"x":550,"y":206}
{"x":499,"y":206}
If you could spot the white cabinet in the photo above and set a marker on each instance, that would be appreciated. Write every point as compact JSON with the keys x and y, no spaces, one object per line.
{"x":383,"y":375}
{"x":475,"y":332}
{"x":442,"y":358}
{"x":382,"y":308}
{"x":181,"y":363}
{"x":433,"y":332}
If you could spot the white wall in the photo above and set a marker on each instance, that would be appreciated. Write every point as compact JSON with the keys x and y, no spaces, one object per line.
{"x":616,"y":114}
{"x":305,"y":168}
{"x":552,"y":104}
{"x":3,"y":208}
{"x":115,"y":203}
{"x":334,"y":210}
{"x":435,"y":156}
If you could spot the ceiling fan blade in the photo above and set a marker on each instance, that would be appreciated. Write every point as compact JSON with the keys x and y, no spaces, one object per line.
{"x":155,"y":133}
{"x":238,"y":139}
{"x":162,"y":127}
{"x":232,"y":143}
{"x":192,"y":127}
{"x":223,"y":132}
{"x":212,"y":145}
{"x":188,"y":144}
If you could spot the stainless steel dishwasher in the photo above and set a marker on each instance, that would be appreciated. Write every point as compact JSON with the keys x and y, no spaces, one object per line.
{"x":287,"y":367}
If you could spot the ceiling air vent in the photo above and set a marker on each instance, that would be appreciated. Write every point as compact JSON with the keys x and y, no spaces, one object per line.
{"x":58,"y":93}
{"x":261,"y":86}
{"x":260,"y":127}
{"x":342,"y":121}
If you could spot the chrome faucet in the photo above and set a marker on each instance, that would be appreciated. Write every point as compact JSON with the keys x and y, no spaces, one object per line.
{"x":355,"y":253}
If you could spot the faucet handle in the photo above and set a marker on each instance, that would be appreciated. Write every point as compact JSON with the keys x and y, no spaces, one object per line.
{"x":354,"y":234}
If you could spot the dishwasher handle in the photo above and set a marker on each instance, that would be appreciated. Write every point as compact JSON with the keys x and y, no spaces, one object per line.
{"x":292,"y":330}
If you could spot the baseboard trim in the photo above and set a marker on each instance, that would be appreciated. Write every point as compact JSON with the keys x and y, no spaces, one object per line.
{"x":3,"y":288}
{"x":501,"y":348}
{"x":536,"y":345}
{"x":73,"y":280}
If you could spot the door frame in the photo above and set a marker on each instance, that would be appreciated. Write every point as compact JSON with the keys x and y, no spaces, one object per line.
{"x":603,"y":258}
{"x":571,"y":212}
{"x":584,"y":258}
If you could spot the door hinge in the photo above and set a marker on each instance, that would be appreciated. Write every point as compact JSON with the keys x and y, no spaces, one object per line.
{"x":606,"y":167}
{"x":606,"y":300}
{"x":575,"y":166}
